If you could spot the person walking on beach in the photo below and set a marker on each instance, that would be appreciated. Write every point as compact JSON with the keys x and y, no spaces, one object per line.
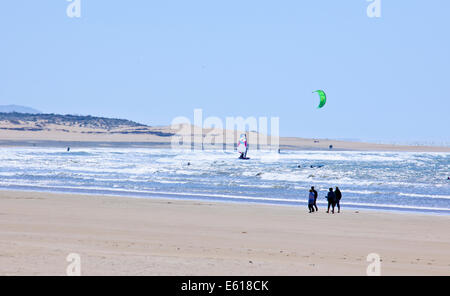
{"x":331,"y":197}
{"x":311,"y":201}
{"x":315,"y":198}
{"x":338,"y":194}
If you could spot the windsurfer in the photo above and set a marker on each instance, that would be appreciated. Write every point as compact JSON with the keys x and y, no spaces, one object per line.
{"x":243,"y":147}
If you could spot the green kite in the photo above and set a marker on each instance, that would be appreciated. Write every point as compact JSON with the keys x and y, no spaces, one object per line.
{"x":323,"y":98}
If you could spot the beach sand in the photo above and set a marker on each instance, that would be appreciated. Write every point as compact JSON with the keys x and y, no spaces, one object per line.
{"x":128,"y":236}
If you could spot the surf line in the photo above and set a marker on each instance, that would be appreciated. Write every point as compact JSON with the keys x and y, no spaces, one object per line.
{"x":193,"y":286}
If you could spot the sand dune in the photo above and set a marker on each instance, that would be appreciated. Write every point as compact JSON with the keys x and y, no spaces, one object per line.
{"x":58,"y":135}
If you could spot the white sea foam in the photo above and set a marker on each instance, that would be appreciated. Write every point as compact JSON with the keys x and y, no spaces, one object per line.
{"x":365,"y":177}
{"x":436,"y":196}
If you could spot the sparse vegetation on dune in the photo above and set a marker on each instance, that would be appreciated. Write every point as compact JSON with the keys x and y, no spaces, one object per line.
{"x":78,"y":124}
{"x":68,"y":120}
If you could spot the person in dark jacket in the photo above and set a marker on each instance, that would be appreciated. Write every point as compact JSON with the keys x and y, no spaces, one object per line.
{"x":338,"y":194}
{"x":311,"y":201}
{"x":315,"y":198}
{"x":331,"y":197}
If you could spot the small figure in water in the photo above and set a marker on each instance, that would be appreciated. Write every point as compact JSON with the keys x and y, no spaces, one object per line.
{"x":311,"y":201}
{"x":317,"y":166}
{"x":338,"y":198}
{"x":68,"y":149}
{"x":331,"y":197}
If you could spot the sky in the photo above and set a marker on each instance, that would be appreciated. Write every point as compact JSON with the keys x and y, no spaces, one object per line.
{"x":386,"y":78}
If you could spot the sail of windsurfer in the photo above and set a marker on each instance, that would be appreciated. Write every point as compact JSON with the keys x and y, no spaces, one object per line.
{"x":243,"y":146}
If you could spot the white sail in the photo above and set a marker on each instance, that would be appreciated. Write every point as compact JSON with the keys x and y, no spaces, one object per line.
{"x":242,"y":145}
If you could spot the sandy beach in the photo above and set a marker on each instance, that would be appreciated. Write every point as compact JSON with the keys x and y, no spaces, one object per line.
{"x":39,"y":134}
{"x":128,"y":236}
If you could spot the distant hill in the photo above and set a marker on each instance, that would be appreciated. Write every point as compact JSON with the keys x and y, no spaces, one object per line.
{"x":74,"y":125}
{"x":18,"y":109}
{"x":68,"y":120}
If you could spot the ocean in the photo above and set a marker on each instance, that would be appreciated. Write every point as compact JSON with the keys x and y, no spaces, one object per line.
{"x":398,"y":181}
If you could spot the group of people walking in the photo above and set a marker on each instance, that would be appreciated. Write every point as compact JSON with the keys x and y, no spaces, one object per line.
{"x":333,"y":197}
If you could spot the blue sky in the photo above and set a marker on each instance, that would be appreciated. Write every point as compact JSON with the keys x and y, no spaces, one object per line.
{"x":150,"y":61}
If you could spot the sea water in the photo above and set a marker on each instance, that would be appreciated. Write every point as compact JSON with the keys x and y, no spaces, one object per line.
{"x":409,"y":181}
